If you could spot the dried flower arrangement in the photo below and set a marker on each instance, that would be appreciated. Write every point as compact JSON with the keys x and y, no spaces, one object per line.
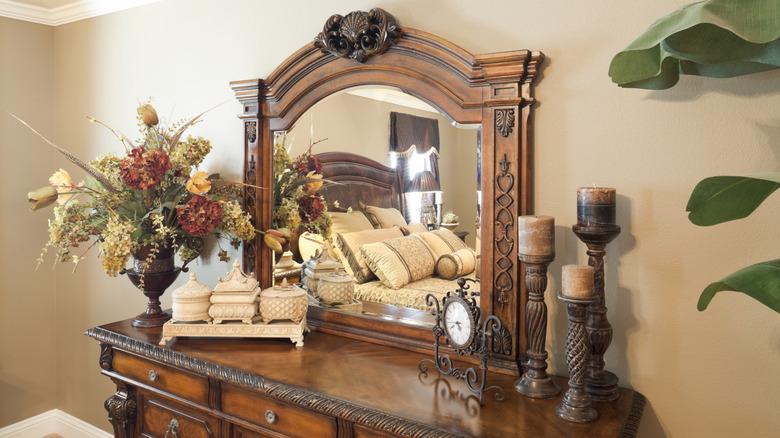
{"x":152,"y":198}
{"x":298,"y":205}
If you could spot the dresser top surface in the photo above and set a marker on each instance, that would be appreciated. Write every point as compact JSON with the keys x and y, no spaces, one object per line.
{"x":330,"y":370}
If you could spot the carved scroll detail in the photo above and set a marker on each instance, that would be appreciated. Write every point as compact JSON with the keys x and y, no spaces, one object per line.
{"x":250,"y":203}
{"x":359,"y":35}
{"x":106,"y":360}
{"x":121,"y":409}
{"x":502,"y":342}
{"x":504,"y":240}
{"x":251,"y":131}
{"x":505,"y":121}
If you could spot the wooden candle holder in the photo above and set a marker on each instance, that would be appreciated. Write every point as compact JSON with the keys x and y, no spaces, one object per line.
{"x":576,"y":404}
{"x":600,"y":383}
{"x":535,"y":382}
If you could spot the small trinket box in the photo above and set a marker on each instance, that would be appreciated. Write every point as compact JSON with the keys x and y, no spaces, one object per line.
{"x":235,"y":297}
{"x":318,"y":266}
{"x":282,"y":302}
{"x":336,"y":288}
{"x":191,"y":301}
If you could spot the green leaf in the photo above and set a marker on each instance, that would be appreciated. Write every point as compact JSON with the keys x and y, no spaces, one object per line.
{"x":760,"y":281}
{"x":721,"y":199}
{"x":715,"y":38}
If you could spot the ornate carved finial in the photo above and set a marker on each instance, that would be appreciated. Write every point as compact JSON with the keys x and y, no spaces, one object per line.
{"x":358,"y":35}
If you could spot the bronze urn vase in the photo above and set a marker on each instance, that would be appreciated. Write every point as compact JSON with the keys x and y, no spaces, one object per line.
{"x":153,"y":277}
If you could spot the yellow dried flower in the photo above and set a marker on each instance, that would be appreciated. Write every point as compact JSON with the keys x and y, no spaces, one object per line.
{"x":111,"y":167}
{"x":199,"y":183}
{"x":148,"y":114}
{"x":235,"y":221}
{"x":117,"y":245}
{"x":190,"y":152}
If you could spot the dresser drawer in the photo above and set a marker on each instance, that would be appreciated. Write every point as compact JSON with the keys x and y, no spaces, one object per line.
{"x":162,"y":418}
{"x":277,"y":416}
{"x":177,"y":382}
{"x":240,"y":432}
{"x":364,"y":432}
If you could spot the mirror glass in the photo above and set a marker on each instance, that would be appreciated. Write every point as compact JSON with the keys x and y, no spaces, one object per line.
{"x":377,"y":191}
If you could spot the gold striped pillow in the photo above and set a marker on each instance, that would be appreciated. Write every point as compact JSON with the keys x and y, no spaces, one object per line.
{"x":457,"y":264}
{"x":442,"y":241}
{"x":398,"y":262}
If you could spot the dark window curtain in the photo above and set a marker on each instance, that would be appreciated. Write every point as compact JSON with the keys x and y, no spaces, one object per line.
{"x":407,"y":131}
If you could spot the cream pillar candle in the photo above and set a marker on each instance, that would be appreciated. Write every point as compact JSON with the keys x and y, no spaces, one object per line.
{"x":577,"y":281}
{"x":536,"y":235}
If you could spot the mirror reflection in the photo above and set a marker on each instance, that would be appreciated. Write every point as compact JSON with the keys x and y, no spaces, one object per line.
{"x":377,"y":199}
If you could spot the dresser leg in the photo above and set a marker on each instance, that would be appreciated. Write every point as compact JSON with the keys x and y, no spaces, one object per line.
{"x":121,"y":409}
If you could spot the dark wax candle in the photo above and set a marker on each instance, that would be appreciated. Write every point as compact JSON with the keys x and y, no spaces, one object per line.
{"x":595,"y":206}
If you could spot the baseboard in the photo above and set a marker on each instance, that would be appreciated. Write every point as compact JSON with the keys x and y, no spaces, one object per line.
{"x":50,"y":422}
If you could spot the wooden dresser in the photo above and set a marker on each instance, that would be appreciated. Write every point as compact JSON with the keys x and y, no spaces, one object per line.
{"x":332,"y":387}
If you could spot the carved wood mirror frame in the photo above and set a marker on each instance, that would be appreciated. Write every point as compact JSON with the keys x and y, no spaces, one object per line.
{"x":494,"y":90}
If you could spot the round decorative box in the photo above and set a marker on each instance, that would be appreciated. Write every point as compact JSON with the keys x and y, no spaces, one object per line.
{"x":336,"y":288}
{"x":191,"y":301}
{"x":282,"y":302}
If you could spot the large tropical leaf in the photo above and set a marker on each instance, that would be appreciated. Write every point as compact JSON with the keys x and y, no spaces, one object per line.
{"x":760,"y":281}
{"x":721,"y":199}
{"x":716,"y":38}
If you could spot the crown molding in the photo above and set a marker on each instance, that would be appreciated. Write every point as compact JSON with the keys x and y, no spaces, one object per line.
{"x":78,"y":10}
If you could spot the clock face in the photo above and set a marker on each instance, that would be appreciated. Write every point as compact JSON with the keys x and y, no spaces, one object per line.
{"x":458,"y":323}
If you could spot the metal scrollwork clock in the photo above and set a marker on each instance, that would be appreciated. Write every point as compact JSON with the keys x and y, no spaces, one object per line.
{"x":459,"y":324}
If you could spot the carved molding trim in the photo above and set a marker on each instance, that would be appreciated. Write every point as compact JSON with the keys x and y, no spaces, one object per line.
{"x":358,"y":35}
{"x":371,"y":418}
{"x":505,"y":121}
{"x":504,"y":242}
{"x":630,"y":427}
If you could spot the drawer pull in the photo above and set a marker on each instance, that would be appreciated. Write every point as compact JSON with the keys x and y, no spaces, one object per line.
{"x":173,"y":429}
{"x":270,"y":416}
{"x":153,"y":376}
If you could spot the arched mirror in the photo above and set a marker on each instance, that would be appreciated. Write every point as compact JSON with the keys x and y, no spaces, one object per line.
{"x":404,"y":128}
{"x":391,"y":165}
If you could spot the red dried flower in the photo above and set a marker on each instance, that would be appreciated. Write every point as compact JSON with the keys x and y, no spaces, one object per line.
{"x":306,"y":163}
{"x":310,"y":207}
{"x":199,"y":216}
{"x":143,"y":169}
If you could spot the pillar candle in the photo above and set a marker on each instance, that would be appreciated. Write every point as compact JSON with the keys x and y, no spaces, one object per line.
{"x":595,"y":206}
{"x":577,"y":281}
{"x":536,"y":235}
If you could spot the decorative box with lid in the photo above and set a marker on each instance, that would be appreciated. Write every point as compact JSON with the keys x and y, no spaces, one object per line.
{"x":283,"y":302}
{"x":235,"y":297}
{"x":336,"y":288}
{"x":191,"y":301}
{"x":323,"y":263}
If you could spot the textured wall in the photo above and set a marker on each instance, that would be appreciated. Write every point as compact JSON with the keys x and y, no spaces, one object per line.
{"x":28,"y":377}
{"x":705,"y":374}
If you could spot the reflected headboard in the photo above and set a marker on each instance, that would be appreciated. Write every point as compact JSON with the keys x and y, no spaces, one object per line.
{"x":359,"y":179}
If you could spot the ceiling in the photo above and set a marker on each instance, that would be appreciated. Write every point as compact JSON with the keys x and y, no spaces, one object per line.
{"x":59,"y":12}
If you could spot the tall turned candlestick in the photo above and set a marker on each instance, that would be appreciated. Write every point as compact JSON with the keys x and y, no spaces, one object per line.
{"x":576,"y":403}
{"x":600,"y":383}
{"x":535,"y":382}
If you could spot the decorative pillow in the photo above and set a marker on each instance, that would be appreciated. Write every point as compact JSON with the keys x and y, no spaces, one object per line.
{"x":398,"y":262}
{"x":442,"y":241}
{"x":349,"y":245}
{"x":457,"y":264}
{"x":385,"y":217}
{"x":349,"y":222}
{"x":414,"y":228}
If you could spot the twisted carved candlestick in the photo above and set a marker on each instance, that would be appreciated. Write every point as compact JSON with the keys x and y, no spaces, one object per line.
{"x":599,"y":383}
{"x":576,"y":403}
{"x":536,"y":383}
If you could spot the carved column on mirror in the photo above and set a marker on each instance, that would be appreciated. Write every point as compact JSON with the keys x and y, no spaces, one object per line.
{"x":600,"y":383}
{"x":535,"y":382}
{"x":121,"y":409}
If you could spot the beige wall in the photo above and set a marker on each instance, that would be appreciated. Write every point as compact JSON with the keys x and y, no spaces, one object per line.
{"x":705,"y":374}
{"x":362,"y":126}
{"x":28,"y":375}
